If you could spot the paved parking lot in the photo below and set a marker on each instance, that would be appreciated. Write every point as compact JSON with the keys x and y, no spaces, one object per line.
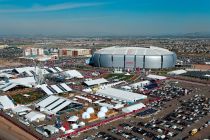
{"x":175,"y":120}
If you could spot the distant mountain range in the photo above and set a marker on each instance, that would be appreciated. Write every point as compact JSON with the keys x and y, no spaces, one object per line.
{"x":175,"y":35}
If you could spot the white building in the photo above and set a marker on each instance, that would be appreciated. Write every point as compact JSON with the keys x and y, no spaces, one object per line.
{"x":133,"y":107}
{"x":23,"y":82}
{"x":6,"y":103}
{"x":54,"y":104}
{"x":140,"y":84}
{"x":96,"y":82}
{"x":73,"y":74}
{"x":21,"y":109}
{"x":156,"y":77}
{"x":35,"y":116}
{"x":176,"y":72}
{"x":121,"y":95}
{"x":54,"y":89}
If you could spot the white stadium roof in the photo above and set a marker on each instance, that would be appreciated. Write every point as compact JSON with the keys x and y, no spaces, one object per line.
{"x":151,"y":50}
{"x":120,"y":94}
{"x":96,"y":82}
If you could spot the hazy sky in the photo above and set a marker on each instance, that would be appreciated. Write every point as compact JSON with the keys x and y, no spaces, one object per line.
{"x":104,"y":17}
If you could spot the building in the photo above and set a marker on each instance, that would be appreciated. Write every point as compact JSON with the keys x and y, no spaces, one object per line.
{"x":140,"y":84}
{"x":56,"y":105}
{"x":73,"y":74}
{"x":134,"y":57}
{"x":33,"y":52}
{"x":26,"y":82}
{"x":21,"y":109}
{"x":95,"y":82}
{"x":121,"y":95}
{"x":156,"y":77}
{"x":176,"y":72}
{"x":73,"y":52}
{"x":35,"y":116}
{"x":133,"y":107}
{"x":6,"y":103}
{"x":54,"y":89}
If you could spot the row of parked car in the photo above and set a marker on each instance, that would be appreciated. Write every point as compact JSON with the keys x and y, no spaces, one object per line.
{"x":167,"y":93}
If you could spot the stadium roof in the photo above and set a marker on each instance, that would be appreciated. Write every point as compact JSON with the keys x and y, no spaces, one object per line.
{"x":117,"y":94}
{"x":151,"y":50}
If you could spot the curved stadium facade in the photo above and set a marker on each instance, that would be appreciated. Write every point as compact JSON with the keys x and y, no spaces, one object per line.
{"x":134,"y":57}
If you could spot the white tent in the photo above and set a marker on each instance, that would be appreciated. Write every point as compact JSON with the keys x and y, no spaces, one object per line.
{"x":73,"y":74}
{"x":90,"y":110}
{"x":133,"y":107}
{"x":6,"y":103}
{"x":73,"y":119}
{"x":35,"y":116}
{"x":20,"y":109}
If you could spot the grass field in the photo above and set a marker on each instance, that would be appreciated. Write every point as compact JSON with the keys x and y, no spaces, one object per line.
{"x":121,"y":77}
{"x":27,"y":98}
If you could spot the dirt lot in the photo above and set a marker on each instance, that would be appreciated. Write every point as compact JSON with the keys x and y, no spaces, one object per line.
{"x":7,"y":63}
{"x":7,"y":128}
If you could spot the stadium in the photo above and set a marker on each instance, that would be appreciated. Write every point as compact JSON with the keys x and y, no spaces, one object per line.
{"x":134,"y":57}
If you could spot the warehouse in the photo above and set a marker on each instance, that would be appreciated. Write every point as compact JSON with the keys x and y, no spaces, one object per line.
{"x":56,"y":104}
{"x":120,"y":95}
{"x":134,"y":57}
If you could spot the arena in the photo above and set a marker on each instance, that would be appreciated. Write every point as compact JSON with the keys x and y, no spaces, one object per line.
{"x":134,"y":57}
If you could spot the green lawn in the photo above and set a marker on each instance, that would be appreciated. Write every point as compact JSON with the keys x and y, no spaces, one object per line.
{"x":21,"y":99}
{"x":121,"y":77}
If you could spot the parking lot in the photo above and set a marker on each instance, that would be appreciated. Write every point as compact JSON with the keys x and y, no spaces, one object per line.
{"x":177,"y":118}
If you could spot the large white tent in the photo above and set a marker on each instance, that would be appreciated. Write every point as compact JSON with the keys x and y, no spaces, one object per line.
{"x":120,"y":94}
{"x":6,"y":103}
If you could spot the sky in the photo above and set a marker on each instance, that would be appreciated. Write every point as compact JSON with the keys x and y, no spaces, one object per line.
{"x":104,"y":17}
